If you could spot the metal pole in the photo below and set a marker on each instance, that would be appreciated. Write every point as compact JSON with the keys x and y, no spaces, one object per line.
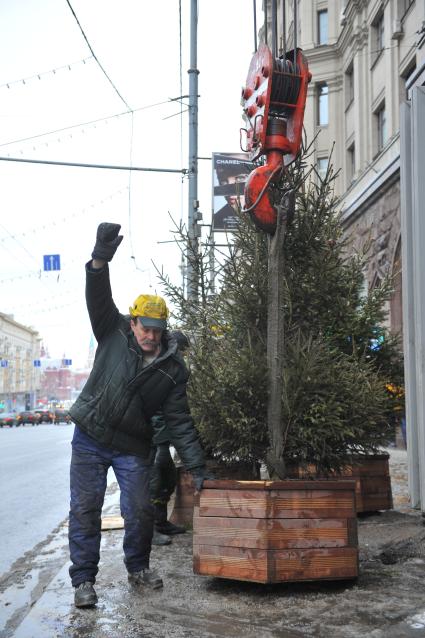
{"x":192,"y":284}
{"x":283,"y":29}
{"x":113,"y":167}
{"x":408,"y":271}
{"x":255,"y":26}
{"x":418,"y":233}
{"x":274,"y":28}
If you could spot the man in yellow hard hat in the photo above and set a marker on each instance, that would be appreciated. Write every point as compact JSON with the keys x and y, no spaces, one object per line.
{"x":137,"y":373}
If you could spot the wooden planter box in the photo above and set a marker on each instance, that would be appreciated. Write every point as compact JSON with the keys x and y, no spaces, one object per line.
{"x":276,"y":531}
{"x":183,"y":503}
{"x":373,"y":482}
{"x":184,"y":500}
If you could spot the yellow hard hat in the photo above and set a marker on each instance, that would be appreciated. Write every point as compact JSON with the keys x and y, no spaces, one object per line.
{"x":151,"y":310}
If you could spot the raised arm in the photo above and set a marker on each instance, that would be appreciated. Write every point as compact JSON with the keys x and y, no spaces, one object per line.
{"x":102,"y":310}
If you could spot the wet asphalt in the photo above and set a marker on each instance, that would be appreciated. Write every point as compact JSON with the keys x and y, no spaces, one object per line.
{"x":387,"y":600}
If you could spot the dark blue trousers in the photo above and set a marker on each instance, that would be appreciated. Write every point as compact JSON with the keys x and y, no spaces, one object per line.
{"x":89,"y":467}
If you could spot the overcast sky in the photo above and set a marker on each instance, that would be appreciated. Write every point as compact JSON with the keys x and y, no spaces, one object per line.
{"x":48,"y":83}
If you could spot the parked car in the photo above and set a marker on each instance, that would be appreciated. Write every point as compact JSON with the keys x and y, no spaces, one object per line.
{"x":62,"y":416}
{"x":46,"y":416}
{"x":8,"y":418}
{"x":27,"y":416}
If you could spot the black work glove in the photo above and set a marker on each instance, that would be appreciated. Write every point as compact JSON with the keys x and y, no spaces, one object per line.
{"x":107,"y":241}
{"x":199,"y":475}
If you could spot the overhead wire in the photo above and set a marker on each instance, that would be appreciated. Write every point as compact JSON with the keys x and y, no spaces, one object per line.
{"x":97,"y":60}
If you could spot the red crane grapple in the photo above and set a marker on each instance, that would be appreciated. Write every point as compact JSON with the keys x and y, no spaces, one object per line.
{"x":274,"y":101}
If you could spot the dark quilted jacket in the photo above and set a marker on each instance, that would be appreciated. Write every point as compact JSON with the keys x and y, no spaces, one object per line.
{"x":120,"y":397}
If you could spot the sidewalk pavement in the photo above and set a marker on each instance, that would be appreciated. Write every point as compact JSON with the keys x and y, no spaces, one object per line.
{"x":388,"y":599}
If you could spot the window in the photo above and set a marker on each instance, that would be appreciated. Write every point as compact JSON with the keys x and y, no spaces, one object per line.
{"x":405,"y":77}
{"x":349,"y":86}
{"x":322,"y":166}
{"x":322,"y":105}
{"x":381,"y":125}
{"x":378,"y":37}
{"x":351,"y":163}
{"x":322,"y":27}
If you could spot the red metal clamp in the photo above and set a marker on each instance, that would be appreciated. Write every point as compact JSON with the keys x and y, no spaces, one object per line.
{"x":274,"y":102}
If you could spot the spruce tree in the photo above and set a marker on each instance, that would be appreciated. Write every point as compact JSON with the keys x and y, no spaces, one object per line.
{"x":338,"y":354}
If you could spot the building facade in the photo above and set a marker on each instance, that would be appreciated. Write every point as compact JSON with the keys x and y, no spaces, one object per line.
{"x":364,"y":56}
{"x":60,"y":385}
{"x":19,"y":371}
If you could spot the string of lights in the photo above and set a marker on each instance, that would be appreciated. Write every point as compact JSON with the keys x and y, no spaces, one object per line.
{"x":46,"y":309}
{"x":88,"y":124}
{"x":65,"y":219}
{"x":56,"y":140}
{"x":39,"y":76}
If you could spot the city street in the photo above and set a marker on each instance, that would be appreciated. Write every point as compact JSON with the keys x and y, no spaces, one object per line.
{"x":386,"y":601}
{"x":34,"y":479}
{"x":34,"y":475}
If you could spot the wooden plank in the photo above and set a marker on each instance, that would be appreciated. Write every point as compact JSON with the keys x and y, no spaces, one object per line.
{"x":375,"y":502}
{"x":375,"y":484}
{"x":372,"y":478}
{"x":233,"y":562}
{"x":316,"y":564}
{"x":112,"y":522}
{"x":267,"y":566}
{"x":290,"y":484}
{"x":287,"y":503}
{"x":271,"y":533}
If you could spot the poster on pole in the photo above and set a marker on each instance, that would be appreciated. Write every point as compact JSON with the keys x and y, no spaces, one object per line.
{"x":230,"y":172}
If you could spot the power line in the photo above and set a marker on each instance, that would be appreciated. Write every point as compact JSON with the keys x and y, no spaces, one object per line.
{"x":95,"y":57}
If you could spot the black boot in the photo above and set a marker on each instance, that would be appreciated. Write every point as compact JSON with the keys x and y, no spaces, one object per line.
{"x":85,"y":595}
{"x":162,"y":525}
{"x":169,"y":528}
{"x":160,"y":539}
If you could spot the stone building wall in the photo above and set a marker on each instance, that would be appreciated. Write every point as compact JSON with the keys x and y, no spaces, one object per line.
{"x":377,"y":223}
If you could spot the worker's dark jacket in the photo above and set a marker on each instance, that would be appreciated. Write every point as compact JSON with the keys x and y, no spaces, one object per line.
{"x":120,"y":396}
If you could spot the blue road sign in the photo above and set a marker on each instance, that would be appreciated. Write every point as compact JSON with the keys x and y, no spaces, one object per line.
{"x":4,"y":363}
{"x":67,"y":362}
{"x":37,"y":363}
{"x":52,"y":262}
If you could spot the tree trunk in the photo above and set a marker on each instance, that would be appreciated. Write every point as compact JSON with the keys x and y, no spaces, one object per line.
{"x":275,"y":346}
